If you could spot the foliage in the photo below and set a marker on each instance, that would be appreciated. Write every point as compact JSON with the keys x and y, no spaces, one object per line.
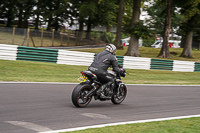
{"x":157,"y":20}
{"x":140,"y":30}
{"x":148,"y":42}
{"x":125,"y":35}
{"x":128,"y":5}
{"x":95,"y":34}
{"x":98,"y":12}
{"x":190,"y":12}
{"x":8,"y":9}
{"x":108,"y":37}
{"x":107,"y":13}
{"x":56,"y":12}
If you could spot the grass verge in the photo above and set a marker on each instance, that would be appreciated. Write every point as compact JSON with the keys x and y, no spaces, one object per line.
{"x":189,"y":125}
{"x":27,"y":71}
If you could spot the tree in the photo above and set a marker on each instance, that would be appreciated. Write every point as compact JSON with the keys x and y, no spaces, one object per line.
{"x":56,"y":12}
{"x":78,"y":14}
{"x":117,"y":41}
{"x":89,"y":11}
{"x":133,"y":49}
{"x":25,"y":10}
{"x":187,"y":50}
{"x":8,"y":10}
{"x":93,"y":13}
{"x":107,"y":13}
{"x":38,"y":12}
{"x":164,"y":52}
{"x":190,"y":10}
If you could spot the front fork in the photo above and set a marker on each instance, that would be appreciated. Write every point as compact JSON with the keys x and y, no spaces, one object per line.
{"x":119,"y":83}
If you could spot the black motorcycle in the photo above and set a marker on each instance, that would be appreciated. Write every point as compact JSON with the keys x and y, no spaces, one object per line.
{"x":83,"y":92}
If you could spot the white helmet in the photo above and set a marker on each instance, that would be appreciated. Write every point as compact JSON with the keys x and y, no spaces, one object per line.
{"x":111,"y":48}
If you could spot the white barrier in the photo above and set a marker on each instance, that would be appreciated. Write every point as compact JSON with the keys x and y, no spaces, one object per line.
{"x":183,"y":66}
{"x":8,"y":52}
{"x":137,"y":62}
{"x":74,"y":58}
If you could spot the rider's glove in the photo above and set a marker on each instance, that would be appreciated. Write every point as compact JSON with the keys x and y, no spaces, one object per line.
{"x":122,"y":72}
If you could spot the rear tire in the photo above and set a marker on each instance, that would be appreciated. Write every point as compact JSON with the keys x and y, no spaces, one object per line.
{"x":119,"y":95}
{"x":78,"y":95}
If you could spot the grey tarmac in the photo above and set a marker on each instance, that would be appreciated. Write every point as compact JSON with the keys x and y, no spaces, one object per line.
{"x":39,"y":107}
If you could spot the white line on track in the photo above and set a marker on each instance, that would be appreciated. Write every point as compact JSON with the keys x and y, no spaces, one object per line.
{"x":36,"y":83}
{"x":6,"y":82}
{"x":95,"y":116}
{"x":29,"y":125}
{"x":119,"y":123}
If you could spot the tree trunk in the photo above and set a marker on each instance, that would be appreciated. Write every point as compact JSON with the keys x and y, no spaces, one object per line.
{"x":37,"y":21}
{"x":56,"y":24}
{"x":199,"y":46}
{"x":133,"y":49}
{"x":164,"y":52}
{"x":117,"y":41}
{"x":9,"y":21}
{"x":25,"y":22}
{"x":49,"y":25}
{"x":20,"y":17}
{"x":187,"y":51}
{"x":80,"y":32}
{"x":9,"y":14}
{"x":108,"y":29}
{"x":89,"y":27}
{"x":37,"y":14}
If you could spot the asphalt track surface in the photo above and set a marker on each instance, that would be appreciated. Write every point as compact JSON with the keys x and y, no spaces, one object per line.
{"x":39,"y":107}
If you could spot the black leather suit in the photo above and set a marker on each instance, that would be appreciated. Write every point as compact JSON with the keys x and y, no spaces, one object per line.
{"x":101,"y":63}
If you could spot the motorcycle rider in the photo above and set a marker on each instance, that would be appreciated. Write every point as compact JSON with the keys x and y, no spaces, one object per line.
{"x":99,"y":67}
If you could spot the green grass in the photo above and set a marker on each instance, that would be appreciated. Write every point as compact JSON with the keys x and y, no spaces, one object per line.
{"x":149,"y":52}
{"x":190,"y":125}
{"x":28,"y":71}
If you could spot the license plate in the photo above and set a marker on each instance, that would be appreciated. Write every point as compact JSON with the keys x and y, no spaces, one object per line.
{"x":82,"y":78}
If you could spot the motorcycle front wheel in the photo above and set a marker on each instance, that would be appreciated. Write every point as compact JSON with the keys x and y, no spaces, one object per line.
{"x":119,"y":95}
{"x":78,"y":95}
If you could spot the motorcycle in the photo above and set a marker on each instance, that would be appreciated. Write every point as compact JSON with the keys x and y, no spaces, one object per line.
{"x":83,"y":92}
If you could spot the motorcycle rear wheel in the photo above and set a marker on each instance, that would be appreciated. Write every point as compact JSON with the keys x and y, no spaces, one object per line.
{"x":119,"y":95}
{"x":78,"y":95}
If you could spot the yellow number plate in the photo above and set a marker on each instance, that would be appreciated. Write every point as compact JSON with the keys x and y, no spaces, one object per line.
{"x":82,"y":78}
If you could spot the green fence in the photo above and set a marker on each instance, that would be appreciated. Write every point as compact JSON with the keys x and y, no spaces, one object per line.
{"x":197,"y":67}
{"x":159,"y":64}
{"x":37,"y":54}
{"x":120,"y":60}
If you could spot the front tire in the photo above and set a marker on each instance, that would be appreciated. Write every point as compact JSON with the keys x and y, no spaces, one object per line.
{"x":78,"y":95}
{"x":119,"y":95}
